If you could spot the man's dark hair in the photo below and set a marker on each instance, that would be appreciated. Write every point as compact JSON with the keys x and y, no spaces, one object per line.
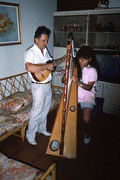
{"x":42,"y":30}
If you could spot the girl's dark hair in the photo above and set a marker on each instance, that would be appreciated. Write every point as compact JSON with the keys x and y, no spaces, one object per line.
{"x":85,"y":52}
{"x":42,"y":30}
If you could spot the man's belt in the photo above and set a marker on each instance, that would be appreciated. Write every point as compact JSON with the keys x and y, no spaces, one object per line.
{"x":40,"y":82}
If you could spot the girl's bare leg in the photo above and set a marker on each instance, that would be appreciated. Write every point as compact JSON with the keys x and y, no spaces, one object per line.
{"x":87,"y":120}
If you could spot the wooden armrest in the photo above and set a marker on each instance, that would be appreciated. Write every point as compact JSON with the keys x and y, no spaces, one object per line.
{"x":50,"y":170}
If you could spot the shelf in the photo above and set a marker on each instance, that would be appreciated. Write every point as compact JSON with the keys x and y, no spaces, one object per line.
{"x":69,"y":31}
{"x":59,"y":31}
{"x":87,"y":12}
{"x":100,"y":28}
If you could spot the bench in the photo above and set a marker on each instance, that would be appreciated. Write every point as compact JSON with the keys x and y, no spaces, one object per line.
{"x":16,"y":103}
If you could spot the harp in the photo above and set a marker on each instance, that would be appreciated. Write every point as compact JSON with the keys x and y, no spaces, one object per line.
{"x":63,"y":140}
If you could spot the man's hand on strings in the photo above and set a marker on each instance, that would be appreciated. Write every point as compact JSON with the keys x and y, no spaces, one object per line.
{"x":60,"y":60}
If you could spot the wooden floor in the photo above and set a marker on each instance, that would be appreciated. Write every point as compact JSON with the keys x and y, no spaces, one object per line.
{"x":96,"y":161}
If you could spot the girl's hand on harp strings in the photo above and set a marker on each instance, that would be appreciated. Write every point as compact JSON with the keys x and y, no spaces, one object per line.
{"x":75,"y":79}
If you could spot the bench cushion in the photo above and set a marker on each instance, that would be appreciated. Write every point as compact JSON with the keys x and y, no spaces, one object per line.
{"x":8,"y":124}
{"x":24,"y":114}
{"x":15,"y":102}
{"x":17,"y":119}
{"x":12,"y":169}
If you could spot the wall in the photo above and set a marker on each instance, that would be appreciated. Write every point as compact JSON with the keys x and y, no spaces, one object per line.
{"x":33,"y":14}
{"x":114,"y":3}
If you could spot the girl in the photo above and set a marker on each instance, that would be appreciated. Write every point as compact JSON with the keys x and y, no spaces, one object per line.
{"x":86,"y":81}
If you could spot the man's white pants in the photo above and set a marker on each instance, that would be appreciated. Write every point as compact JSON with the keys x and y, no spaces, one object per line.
{"x":42,"y":96}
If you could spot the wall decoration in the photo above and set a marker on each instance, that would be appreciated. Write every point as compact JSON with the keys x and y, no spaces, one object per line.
{"x":10,"y":26}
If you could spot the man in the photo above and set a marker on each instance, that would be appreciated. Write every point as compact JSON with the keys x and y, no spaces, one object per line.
{"x":36,"y":58}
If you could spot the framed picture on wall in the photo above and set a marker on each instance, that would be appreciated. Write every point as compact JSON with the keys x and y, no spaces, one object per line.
{"x":10,"y":25}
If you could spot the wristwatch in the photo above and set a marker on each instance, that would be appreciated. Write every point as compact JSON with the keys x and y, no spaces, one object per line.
{"x":81,"y":84}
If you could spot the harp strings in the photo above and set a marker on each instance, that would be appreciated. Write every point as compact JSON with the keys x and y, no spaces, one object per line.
{"x":72,"y":54}
{"x":68,"y":74}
